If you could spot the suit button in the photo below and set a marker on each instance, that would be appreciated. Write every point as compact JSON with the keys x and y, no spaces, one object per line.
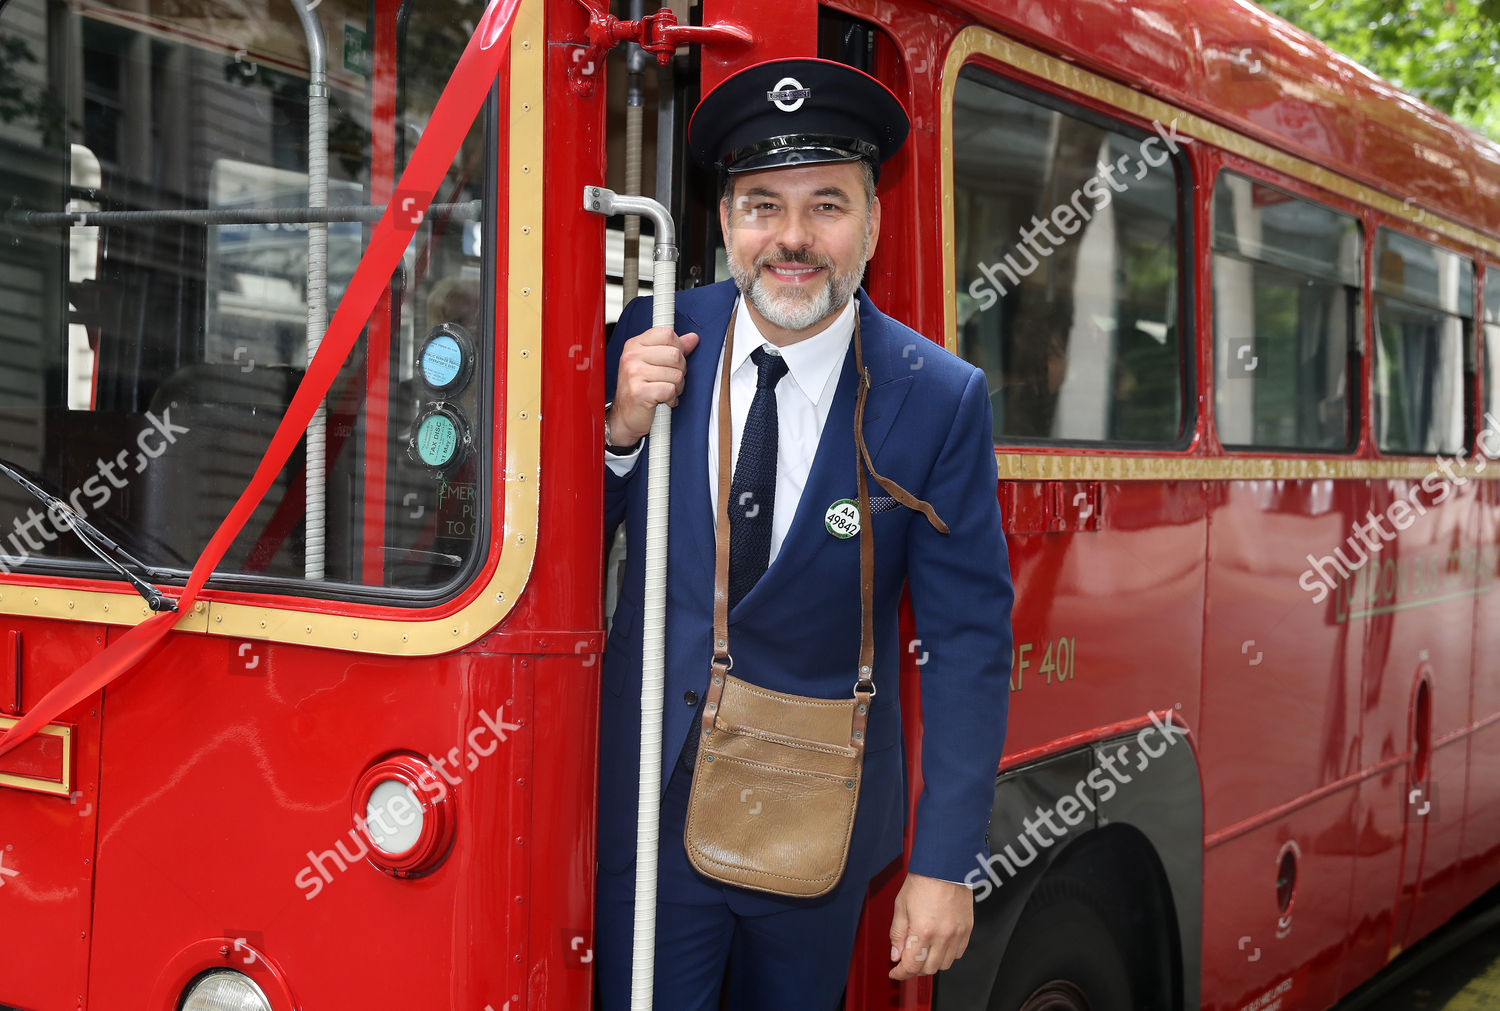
{"x":690,"y":697}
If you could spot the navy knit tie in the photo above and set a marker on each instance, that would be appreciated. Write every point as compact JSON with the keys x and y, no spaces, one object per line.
{"x":752,"y":494}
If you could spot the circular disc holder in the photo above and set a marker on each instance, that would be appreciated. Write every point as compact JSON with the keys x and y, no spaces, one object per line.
{"x":445,"y":361}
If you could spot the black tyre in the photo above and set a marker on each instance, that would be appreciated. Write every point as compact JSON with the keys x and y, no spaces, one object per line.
{"x":1063,"y":955}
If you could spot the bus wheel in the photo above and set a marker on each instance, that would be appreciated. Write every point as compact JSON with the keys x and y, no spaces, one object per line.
{"x":1062,"y":956}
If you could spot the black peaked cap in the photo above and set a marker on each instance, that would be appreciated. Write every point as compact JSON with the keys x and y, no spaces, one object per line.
{"x":796,"y":112}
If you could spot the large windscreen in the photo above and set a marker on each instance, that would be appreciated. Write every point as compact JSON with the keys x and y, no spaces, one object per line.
{"x":189,"y":187}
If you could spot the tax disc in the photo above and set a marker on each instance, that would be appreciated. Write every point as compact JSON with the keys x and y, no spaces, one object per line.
{"x":440,"y":439}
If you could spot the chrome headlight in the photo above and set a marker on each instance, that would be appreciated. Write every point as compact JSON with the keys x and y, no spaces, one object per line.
{"x":225,"y":990}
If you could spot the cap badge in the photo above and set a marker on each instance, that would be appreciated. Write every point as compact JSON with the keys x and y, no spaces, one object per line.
{"x":789,"y":94}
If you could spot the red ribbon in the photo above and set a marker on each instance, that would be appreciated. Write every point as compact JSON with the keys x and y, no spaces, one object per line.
{"x":462,"y":98}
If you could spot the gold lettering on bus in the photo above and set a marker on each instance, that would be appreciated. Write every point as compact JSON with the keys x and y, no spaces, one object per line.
{"x":1388,"y":585}
{"x":1057,"y":662}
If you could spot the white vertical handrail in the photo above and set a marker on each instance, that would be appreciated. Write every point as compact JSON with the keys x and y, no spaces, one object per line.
{"x":653,"y":598}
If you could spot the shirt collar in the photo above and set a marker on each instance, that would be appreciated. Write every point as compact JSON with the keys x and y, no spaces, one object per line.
{"x":809,"y":362}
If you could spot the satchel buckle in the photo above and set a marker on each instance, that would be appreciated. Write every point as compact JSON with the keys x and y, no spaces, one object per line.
{"x":866,"y":687}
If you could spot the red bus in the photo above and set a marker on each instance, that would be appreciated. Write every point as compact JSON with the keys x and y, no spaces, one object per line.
{"x":1239,"y":306}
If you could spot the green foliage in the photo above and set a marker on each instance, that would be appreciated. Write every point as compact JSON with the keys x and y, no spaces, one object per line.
{"x":1445,"y":52}
{"x":21,"y":101}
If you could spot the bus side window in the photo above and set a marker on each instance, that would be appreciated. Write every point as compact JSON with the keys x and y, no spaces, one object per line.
{"x":1286,"y":280}
{"x":1424,"y":312}
{"x":1491,"y":345}
{"x":1067,"y":266}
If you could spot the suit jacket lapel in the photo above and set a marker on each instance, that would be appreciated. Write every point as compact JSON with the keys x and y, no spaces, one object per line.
{"x":833,"y":475}
{"x":691,"y":512}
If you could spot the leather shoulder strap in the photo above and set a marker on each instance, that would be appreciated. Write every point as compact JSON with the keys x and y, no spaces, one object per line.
{"x":723,"y":661}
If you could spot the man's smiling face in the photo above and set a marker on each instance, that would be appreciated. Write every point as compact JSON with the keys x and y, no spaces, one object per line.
{"x":798,"y":239}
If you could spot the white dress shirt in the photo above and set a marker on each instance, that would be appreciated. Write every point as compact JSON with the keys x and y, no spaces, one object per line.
{"x":804,"y":396}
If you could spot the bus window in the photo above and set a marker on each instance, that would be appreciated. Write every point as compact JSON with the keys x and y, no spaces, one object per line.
{"x":1286,"y":279}
{"x":1067,"y":266}
{"x":1491,"y":343}
{"x":150,"y":354}
{"x":1424,"y":307}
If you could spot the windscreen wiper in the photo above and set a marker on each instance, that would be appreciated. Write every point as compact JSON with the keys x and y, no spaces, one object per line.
{"x":107,"y":550}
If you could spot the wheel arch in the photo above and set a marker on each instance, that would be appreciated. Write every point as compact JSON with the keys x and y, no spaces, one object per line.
{"x":1138,"y":845}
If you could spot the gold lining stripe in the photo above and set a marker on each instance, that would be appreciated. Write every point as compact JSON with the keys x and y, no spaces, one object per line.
{"x":398,"y":636}
{"x":1119,"y":467}
{"x":977,"y":41}
{"x":33,"y":784}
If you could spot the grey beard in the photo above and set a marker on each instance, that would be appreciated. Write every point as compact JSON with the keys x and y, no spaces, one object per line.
{"x":793,"y":313}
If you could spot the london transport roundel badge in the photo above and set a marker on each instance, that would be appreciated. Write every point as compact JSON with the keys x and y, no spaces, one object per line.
{"x":842,"y":518}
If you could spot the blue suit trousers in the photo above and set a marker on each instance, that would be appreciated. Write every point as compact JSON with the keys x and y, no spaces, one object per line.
{"x":711,"y":942}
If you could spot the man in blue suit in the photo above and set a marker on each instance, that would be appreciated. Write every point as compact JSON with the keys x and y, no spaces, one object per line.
{"x":799,"y":144}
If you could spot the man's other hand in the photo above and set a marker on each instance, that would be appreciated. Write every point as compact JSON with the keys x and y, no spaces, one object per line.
{"x":931,"y":926}
{"x":652,"y":368}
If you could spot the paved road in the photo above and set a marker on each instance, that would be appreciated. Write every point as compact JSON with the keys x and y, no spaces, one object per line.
{"x":1458,"y":969}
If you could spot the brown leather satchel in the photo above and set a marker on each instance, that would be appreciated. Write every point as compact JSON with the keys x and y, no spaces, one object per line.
{"x":777,"y":779}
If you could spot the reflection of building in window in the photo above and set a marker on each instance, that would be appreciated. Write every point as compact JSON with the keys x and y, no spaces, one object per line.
{"x":83,"y":266}
{"x":1286,"y":280}
{"x":1424,"y":307}
{"x":256,"y":296}
{"x":1492,"y":345}
{"x":171,"y":120}
{"x":1066,"y":254}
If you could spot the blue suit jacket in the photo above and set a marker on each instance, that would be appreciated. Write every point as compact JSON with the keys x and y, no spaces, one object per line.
{"x":928,"y":426}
